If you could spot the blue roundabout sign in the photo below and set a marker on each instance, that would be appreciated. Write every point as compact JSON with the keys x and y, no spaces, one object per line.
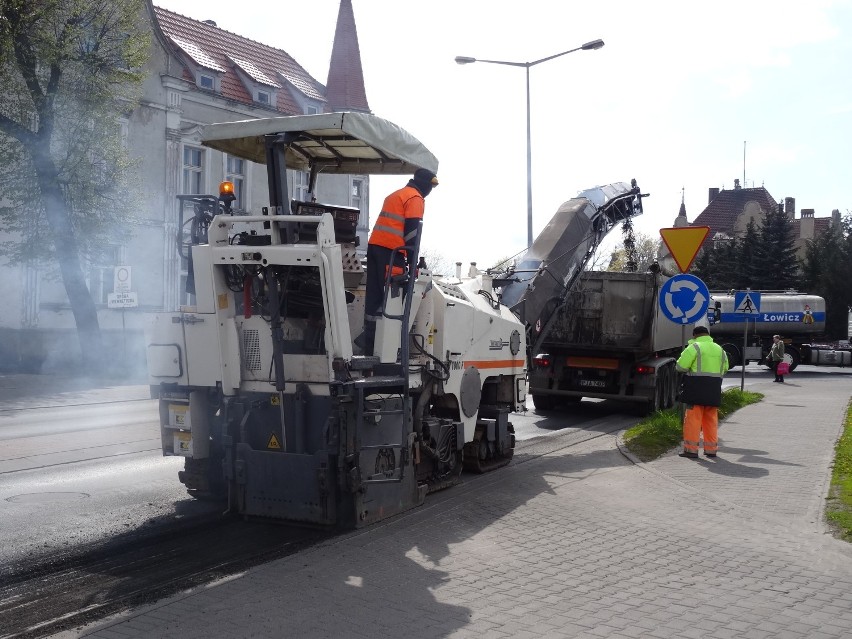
{"x":684,"y":299}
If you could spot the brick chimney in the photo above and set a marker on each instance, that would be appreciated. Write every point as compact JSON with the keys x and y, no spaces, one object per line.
{"x":712,"y":193}
{"x":790,"y":207}
{"x":806,"y":225}
{"x":835,"y":217}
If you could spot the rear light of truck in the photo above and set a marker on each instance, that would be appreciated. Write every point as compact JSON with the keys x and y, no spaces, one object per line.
{"x":542,"y":360}
{"x":644,"y":370}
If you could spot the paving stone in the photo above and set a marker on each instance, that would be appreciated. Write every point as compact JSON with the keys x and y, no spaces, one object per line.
{"x":577,"y":542}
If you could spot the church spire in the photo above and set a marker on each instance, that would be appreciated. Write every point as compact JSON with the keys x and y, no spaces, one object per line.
{"x":345,"y":87}
{"x":681,"y":215}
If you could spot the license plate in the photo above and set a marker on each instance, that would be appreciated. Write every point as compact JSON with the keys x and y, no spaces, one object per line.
{"x":593,"y":383}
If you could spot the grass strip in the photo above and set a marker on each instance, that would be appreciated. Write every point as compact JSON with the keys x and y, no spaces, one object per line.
{"x":662,"y":431}
{"x":838,"y":509}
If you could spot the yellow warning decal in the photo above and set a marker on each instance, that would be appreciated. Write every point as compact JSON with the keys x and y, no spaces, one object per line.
{"x":273,"y":443}
{"x":222,"y":300}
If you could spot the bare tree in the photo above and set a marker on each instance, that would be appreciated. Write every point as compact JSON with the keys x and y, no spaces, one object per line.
{"x":645,"y":249}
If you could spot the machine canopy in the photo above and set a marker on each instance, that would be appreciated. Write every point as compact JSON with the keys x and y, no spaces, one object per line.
{"x":349,"y":142}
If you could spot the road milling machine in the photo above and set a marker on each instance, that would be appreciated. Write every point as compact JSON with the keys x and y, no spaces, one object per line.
{"x":259,"y":388}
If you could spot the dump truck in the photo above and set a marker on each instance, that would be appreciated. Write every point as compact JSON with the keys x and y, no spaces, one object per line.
{"x":593,"y":334}
{"x":609,"y":339}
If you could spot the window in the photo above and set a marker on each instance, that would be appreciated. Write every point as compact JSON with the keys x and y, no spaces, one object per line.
{"x":193,"y":171}
{"x":235,"y":171}
{"x":206,"y":82}
{"x":357,"y":197}
{"x":311,"y":110}
{"x":263,"y":97}
{"x":301,"y":180}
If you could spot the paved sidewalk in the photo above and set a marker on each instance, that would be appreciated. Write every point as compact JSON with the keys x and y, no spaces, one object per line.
{"x":578,"y":542}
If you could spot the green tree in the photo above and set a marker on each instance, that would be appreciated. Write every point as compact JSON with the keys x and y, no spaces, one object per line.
{"x":717,"y":265}
{"x":827,"y":271}
{"x":69,"y":70}
{"x":775,"y":264}
{"x":744,"y":275}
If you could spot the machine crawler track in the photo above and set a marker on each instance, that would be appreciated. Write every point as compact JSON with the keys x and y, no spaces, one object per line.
{"x":479,"y":456}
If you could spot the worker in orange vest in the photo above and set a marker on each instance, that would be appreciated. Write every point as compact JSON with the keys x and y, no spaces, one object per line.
{"x":395,"y":227}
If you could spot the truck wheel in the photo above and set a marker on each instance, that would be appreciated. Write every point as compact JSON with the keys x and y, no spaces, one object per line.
{"x":643,"y":409}
{"x":792,"y":356}
{"x":543,"y":402}
{"x":734,"y":354}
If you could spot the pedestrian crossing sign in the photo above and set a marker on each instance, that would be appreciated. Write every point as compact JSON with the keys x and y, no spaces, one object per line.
{"x":746,"y":303}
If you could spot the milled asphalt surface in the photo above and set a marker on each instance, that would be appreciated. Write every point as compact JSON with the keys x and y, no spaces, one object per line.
{"x":578,"y":542}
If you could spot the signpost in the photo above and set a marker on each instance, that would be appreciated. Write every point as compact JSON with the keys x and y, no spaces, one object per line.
{"x":684,"y":298}
{"x":122,"y":298}
{"x":746,"y":303}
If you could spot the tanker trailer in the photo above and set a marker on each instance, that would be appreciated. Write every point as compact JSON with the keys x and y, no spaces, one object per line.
{"x":798,"y":318}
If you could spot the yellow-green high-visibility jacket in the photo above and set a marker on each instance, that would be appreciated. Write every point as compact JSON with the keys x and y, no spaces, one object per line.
{"x":705,"y":363}
{"x":703,"y":357}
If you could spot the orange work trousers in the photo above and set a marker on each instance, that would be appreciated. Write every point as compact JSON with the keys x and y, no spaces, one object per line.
{"x":698,"y":419}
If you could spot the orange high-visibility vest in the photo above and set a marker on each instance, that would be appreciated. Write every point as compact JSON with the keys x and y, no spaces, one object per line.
{"x":399,"y":206}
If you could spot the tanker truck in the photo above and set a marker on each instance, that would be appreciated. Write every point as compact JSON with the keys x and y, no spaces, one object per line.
{"x":797,"y":317}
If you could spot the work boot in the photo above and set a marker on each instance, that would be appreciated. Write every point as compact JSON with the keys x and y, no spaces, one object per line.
{"x":361,"y":342}
{"x":710,"y":454}
{"x":688,"y":455}
{"x":367,"y":339}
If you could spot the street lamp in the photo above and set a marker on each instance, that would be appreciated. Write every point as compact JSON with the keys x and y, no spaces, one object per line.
{"x":594,"y":44}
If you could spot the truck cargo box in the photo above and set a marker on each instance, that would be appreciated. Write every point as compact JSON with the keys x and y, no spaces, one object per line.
{"x":616,"y":312}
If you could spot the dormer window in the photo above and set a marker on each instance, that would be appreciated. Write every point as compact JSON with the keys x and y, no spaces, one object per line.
{"x":207,"y":70}
{"x":264,"y":97}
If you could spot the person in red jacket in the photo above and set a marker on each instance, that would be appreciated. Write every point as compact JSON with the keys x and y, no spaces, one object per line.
{"x":396,"y":226}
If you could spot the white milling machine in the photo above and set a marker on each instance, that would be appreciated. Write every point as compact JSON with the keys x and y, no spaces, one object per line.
{"x":259,"y":388}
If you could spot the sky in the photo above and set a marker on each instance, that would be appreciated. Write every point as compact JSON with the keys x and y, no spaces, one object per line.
{"x":684,"y":96}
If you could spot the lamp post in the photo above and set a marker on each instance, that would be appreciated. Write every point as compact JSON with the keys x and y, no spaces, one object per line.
{"x":594,"y":44}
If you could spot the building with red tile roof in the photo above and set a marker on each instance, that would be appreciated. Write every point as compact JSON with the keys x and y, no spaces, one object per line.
{"x":239,"y":69}
{"x":197,"y":73}
{"x":729,"y":211}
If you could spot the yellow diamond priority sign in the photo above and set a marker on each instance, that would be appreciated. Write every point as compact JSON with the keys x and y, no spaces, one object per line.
{"x":683,"y":243}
